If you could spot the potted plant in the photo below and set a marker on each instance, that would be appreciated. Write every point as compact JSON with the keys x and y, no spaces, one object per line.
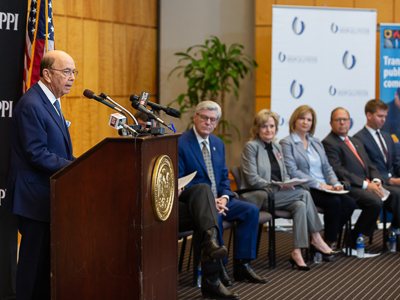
{"x":212,"y":70}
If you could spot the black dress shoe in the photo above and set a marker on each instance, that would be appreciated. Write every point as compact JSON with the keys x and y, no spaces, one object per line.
{"x":300,"y":268}
{"x":242,"y":271}
{"x":223,"y":275}
{"x":325,"y":256}
{"x":210,"y":249}
{"x":212,"y":287}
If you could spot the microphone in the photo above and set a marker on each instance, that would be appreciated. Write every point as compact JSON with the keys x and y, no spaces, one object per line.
{"x":116,"y":120}
{"x":136,"y":105}
{"x":144,"y":100}
{"x":105,"y":96}
{"x":91,"y":95}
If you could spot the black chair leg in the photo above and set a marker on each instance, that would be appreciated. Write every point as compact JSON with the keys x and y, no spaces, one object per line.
{"x":190,"y":253}
{"x":196,"y":258}
{"x":385,"y":234}
{"x":183,"y":248}
{"x":260,"y":227}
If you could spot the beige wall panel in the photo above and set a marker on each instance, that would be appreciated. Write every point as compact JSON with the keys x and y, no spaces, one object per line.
{"x":60,"y":33}
{"x":90,"y":9}
{"x":263,"y":38}
{"x":335,"y":3}
{"x":90,"y":70}
{"x":384,"y":8}
{"x":396,"y":8}
{"x":120,"y":10}
{"x":142,"y":12}
{"x":262,"y":102}
{"x":105,"y":59}
{"x":119,"y":67}
{"x":264,"y":12}
{"x":295,"y":2}
{"x":75,"y":49}
{"x":72,"y":110}
{"x":106,"y":10}
{"x":75,"y":8}
{"x":141,"y":59}
{"x":59,"y":7}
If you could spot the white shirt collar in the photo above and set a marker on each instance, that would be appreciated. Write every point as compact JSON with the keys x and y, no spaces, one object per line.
{"x":200,"y":139}
{"x":48,"y":93}
{"x":371,"y":130}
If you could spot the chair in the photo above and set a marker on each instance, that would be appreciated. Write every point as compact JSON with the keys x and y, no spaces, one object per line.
{"x":264,"y":217}
{"x":183,"y":235}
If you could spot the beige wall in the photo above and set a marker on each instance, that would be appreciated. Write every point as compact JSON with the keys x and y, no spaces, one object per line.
{"x":386,"y":14}
{"x":186,"y":23}
{"x":114,"y":45}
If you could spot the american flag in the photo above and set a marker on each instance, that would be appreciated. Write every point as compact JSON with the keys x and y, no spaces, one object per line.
{"x":39,"y":39}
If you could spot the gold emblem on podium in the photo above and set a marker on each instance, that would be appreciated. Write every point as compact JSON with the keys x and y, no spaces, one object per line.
{"x":162,"y":187}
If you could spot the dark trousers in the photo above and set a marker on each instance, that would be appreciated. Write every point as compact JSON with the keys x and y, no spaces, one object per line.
{"x":246,"y":216}
{"x":197,"y":211}
{"x":8,"y":253}
{"x":33,"y":271}
{"x":337,"y":210}
{"x":392,"y":204}
{"x":371,"y":205}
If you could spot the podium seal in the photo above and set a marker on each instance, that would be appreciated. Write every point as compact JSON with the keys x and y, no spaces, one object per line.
{"x":162,"y":188}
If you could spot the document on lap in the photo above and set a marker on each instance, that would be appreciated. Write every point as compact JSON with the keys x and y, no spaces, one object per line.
{"x":290,"y":182}
{"x":386,"y":194}
{"x":183,"y":181}
{"x":334,"y":192}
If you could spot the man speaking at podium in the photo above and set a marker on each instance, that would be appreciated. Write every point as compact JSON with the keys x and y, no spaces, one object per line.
{"x":40,"y":146}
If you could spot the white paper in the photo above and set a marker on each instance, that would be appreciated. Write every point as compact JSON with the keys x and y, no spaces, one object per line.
{"x":183,"y":181}
{"x":290,"y":182}
{"x":334,"y":192}
{"x":366,"y":255}
{"x":386,"y":194}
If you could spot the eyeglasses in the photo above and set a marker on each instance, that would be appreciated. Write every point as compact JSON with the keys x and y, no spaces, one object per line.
{"x":205,"y":119}
{"x":67,"y":72}
{"x":341,"y":119}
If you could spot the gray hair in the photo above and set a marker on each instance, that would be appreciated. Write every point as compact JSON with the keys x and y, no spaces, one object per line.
{"x":210,"y":105}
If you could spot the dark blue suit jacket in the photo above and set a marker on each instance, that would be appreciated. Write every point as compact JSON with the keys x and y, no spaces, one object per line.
{"x":376,"y":156}
{"x":40,"y":146}
{"x":191,"y":159}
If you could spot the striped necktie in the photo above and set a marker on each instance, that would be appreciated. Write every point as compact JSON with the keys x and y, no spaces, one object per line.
{"x":58,"y":107}
{"x":210,"y":169}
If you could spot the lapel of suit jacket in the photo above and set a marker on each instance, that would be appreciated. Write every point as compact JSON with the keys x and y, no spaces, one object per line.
{"x":216,"y":161}
{"x":388,"y":139}
{"x":50,"y":108}
{"x":364,"y":159}
{"x":300,"y":148}
{"x":194,"y":145}
{"x":264,"y":165}
{"x":375,"y":145}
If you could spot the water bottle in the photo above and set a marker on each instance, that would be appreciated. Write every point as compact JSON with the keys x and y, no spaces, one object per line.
{"x":392,"y":241}
{"x":199,"y":276}
{"x":360,"y":246}
{"x":317,"y":257}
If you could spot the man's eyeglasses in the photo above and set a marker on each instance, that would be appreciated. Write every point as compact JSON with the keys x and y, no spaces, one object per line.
{"x":205,"y":119}
{"x":67,"y":72}
{"x":341,"y":119}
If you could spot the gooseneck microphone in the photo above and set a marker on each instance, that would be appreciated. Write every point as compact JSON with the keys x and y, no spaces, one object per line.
{"x":136,"y":105}
{"x":105,"y":96}
{"x":91,"y":95}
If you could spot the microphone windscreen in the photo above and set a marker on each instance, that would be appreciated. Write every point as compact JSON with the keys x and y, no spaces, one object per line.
{"x":88,"y":94}
{"x":134,"y":97}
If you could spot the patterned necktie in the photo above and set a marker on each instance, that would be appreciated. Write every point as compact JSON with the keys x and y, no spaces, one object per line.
{"x":346,"y":140}
{"x":385,"y":152}
{"x":210,"y":170}
{"x":58,"y":107}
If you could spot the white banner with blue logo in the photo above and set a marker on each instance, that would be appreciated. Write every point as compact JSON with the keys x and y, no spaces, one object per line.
{"x":325,"y":58}
{"x":389,"y":77}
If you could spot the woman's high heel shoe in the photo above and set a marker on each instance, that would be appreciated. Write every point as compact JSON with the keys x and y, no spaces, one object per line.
{"x":300,"y":268}
{"x":325,"y":256}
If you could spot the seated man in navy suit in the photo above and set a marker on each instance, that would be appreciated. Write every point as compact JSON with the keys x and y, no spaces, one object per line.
{"x":40,"y":146}
{"x":203,"y":152}
{"x":382,"y":153}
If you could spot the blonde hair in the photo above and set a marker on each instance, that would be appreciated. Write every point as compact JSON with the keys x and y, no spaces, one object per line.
{"x":260,"y":119}
{"x":299,"y":112}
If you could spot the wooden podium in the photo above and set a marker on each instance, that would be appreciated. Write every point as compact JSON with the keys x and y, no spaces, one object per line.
{"x":105,"y":240}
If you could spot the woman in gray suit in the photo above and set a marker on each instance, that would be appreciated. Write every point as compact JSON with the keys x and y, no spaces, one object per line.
{"x":305,"y":158}
{"x":262,"y":162}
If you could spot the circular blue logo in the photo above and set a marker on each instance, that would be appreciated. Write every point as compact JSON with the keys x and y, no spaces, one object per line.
{"x":295,"y":86}
{"x":281,"y":57}
{"x":332,"y":90}
{"x":334,"y":28}
{"x":349,"y":61}
{"x":298,"y":26}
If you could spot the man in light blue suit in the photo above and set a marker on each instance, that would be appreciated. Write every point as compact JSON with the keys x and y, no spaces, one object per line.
{"x":40,"y":146}
{"x":382,"y":153}
{"x":203,"y":152}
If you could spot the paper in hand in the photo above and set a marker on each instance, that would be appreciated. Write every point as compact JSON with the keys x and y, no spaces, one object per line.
{"x":183,"y":181}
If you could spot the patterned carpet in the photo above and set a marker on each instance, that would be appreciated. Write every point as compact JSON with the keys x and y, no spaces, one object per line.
{"x":345,"y":278}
